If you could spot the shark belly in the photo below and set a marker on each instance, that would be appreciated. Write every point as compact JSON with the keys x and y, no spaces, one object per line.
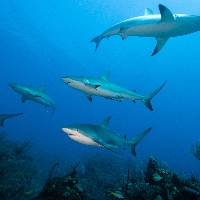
{"x":106,"y":93}
{"x":99,"y":91}
{"x":163,"y":29}
{"x":42,"y":101}
{"x":84,"y":140}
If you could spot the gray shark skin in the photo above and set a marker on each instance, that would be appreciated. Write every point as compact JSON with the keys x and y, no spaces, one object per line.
{"x":37,"y":95}
{"x":104,"y":88}
{"x":6,"y":116}
{"x":162,"y":27}
{"x":99,"y":135}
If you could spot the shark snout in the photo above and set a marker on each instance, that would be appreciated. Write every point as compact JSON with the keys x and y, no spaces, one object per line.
{"x":12,"y":85}
{"x":68,"y":131}
{"x":66,"y":80}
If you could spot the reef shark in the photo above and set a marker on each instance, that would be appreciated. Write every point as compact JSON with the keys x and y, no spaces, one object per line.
{"x":104,"y":88}
{"x":6,"y":116}
{"x":162,"y":27}
{"x":99,"y":135}
{"x":37,"y":95}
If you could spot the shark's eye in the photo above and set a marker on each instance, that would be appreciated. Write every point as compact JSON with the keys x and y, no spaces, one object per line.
{"x":77,"y":130}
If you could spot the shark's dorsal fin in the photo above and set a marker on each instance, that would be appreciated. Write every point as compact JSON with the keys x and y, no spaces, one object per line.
{"x":42,"y":88}
{"x":166,"y":15}
{"x":105,"y":76}
{"x":148,"y":12}
{"x":106,"y":122}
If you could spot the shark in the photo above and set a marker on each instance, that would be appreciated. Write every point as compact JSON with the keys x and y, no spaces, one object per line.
{"x":6,"y":116}
{"x":100,"y":136}
{"x":104,"y":88}
{"x":37,"y":95}
{"x":161,"y":27}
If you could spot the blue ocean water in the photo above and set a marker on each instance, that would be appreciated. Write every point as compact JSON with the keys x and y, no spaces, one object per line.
{"x":43,"y":41}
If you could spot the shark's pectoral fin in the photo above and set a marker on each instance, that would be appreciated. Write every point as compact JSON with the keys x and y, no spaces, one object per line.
{"x":89,"y":96}
{"x":166,"y":15}
{"x":160,"y":43}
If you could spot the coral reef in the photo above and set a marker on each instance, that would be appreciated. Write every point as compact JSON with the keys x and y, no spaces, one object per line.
{"x":63,"y":188}
{"x":195,"y":150}
{"x":150,"y":181}
{"x":16,"y":170}
{"x":157,"y":182}
{"x":101,"y":175}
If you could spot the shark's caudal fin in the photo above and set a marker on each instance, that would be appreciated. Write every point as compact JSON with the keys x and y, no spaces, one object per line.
{"x":97,"y":40}
{"x":53,"y":111}
{"x":1,"y":122}
{"x":8,"y":116}
{"x":135,"y":140}
{"x":149,"y":96}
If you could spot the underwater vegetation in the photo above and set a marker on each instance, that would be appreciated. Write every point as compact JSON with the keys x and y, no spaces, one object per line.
{"x":99,"y":179}
{"x":66,"y":187}
{"x":195,"y":150}
{"x":16,"y":169}
{"x":148,"y":181}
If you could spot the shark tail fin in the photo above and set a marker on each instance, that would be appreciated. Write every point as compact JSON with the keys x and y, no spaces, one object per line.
{"x":1,"y":122}
{"x":135,"y":140}
{"x":97,"y":40}
{"x":53,"y":112}
{"x":147,"y":98}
